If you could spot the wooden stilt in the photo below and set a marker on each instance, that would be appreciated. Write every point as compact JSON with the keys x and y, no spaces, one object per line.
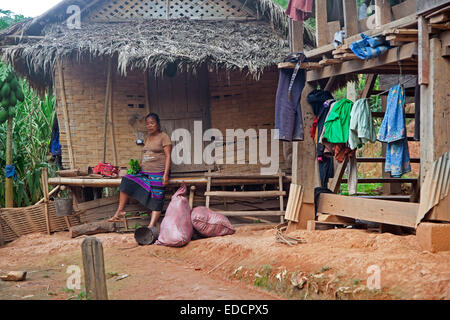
{"x":44,"y":180}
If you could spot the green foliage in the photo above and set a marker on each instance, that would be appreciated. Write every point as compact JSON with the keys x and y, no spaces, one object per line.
{"x":32,"y":128}
{"x":8,"y":18}
{"x":134,"y":166}
{"x":283,"y":3}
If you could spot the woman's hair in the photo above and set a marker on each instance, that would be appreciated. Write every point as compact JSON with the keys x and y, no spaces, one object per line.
{"x":156,"y":117}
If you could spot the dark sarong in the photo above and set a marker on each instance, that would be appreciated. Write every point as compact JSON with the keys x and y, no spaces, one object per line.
{"x":145,"y":187}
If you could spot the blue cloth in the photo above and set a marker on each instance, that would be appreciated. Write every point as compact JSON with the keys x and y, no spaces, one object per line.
{"x":393,"y":132}
{"x":369,"y":47}
{"x":10,"y":172}
{"x":55,"y":146}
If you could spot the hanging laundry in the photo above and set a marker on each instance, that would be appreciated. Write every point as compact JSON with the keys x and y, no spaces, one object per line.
{"x":393,"y":132}
{"x":299,"y":10}
{"x":369,"y":47}
{"x":338,"y":122}
{"x":361,"y":125}
{"x":320,"y":102}
{"x":288,"y":112}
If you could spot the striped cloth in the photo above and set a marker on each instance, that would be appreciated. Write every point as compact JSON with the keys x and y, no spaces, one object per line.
{"x":145,"y":187}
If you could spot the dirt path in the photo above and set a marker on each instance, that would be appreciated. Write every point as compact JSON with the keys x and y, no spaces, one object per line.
{"x":332,"y":264}
{"x":150,"y":276}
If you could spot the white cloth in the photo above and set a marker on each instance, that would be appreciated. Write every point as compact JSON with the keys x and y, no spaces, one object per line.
{"x":361,"y":129}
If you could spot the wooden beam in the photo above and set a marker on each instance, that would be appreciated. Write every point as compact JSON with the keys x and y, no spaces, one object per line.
{"x":245,"y":194}
{"x":107,"y":102}
{"x":370,"y":83}
{"x":350,"y":17}
{"x":321,"y":23}
{"x":382,"y":211}
{"x":59,"y":69}
{"x":404,"y":52}
{"x":44,"y":180}
{"x":296,"y":35}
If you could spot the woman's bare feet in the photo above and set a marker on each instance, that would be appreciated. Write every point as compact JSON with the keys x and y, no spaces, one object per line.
{"x":117,"y":216}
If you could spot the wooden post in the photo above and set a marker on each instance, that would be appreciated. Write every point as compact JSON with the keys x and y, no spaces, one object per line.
{"x":424,"y":51}
{"x":9,"y":192}
{"x":321,"y":23}
{"x":191,"y":197}
{"x":350,"y":17}
{"x":382,"y":12}
{"x":66,"y":113}
{"x":94,"y":269}
{"x":2,"y":239}
{"x":111,"y":119}
{"x":45,"y":190}
{"x":146,"y":94}
{"x":105,"y":123}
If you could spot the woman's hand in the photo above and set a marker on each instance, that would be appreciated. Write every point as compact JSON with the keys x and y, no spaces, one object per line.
{"x":165,"y":179}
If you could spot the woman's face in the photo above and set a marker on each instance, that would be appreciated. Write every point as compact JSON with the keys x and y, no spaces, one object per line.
{"x":151,"y":125}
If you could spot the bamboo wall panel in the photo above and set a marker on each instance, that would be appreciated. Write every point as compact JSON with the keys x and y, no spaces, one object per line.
{"x":160,"y":9}
{"x":16,"y":222}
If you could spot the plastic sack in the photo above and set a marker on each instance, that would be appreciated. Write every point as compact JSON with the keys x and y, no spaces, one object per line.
{"x":209,"y":223}
{"x":176,"y":228}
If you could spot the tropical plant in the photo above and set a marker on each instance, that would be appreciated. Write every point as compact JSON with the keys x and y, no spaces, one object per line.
{"x":32,"y":126}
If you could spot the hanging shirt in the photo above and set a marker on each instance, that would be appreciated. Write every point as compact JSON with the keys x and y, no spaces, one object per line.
{"x":338,"y":122}
{"x":299,"y":10}
{"x":361,"y":125}
{"x":393,"y":132}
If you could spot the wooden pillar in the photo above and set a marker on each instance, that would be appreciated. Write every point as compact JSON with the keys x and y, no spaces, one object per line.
{"x":382,"y":12}
{"x":44,"y":180}
{"x":350,"y":17}
{"x":321,"y":23}
{"x":424,"y":51}
{"x":435,"y":110}
{"x":94,"y":269}
{"x":62,"y":93}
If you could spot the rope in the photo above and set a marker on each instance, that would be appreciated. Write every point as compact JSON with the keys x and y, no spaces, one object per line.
{"x":280,"y":236}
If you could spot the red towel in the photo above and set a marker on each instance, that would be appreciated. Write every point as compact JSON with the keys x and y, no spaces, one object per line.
{"x":299,"y":10}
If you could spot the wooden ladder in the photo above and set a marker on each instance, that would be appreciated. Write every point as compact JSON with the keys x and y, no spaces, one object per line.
{"x":247,"y":194}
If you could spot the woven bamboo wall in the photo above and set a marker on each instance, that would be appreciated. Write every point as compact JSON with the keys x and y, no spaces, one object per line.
{"x":85,"y":89}
{"x":235,"y":102}
{"x":240,"y":102}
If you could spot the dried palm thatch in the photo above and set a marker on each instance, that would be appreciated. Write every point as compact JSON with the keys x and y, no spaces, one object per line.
{"x":249,"y":46}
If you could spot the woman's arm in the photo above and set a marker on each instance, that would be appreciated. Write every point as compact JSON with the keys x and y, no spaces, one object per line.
{"x":167,"y":152}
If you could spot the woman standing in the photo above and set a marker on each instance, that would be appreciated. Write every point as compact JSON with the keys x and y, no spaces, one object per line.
{"x":148,"y":186}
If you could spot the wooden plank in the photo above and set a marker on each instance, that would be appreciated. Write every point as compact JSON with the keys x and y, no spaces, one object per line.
{"x":245,"y":194}
{"x":441,"y":211}
{"x":304,"y":65}
{"x":382,"y":211}
{"x":335,"y":183}
{"x":404,"y":9}
{"x":332,"y":28}
{"x":296,"y":30}
{"x":321,"y":23}
{"x":94,"y":269}
{"x":361,"y":66}
{"x":439,"y":18}
{"x":250,"y":213}
{"x":350,"y":17}
{"x":370,"y":83}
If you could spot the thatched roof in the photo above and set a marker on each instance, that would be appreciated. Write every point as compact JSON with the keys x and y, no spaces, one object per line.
{"x":151,"y":44}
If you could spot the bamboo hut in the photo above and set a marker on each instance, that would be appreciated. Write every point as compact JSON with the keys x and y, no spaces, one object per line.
{"x":210,"y":61}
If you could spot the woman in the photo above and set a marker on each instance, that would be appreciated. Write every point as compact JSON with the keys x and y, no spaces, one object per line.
{"x":148,"y":185}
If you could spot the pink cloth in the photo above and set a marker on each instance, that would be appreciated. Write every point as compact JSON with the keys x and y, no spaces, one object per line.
{"x":299,"y":10}
{"x":209,"y":223}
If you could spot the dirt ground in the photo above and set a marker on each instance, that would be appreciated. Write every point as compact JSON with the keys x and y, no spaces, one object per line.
{"x":332,"y":264}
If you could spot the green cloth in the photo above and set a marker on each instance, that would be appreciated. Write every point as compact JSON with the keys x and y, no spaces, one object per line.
{"x":361,"y":125}
{"x":338,"y":122}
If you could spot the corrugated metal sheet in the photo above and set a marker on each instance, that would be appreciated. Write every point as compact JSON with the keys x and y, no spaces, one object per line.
{"x":435,"y":187}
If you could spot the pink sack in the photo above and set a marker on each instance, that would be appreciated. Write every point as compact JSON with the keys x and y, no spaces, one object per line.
{"x":176,"y":228}
{"x":209,"y":223}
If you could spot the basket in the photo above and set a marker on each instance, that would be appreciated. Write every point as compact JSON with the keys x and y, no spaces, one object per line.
{"x":63,"y":207}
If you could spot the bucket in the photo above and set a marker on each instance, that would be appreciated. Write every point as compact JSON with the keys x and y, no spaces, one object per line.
{"x":145,"y":236}
{"x":63,"y":207}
